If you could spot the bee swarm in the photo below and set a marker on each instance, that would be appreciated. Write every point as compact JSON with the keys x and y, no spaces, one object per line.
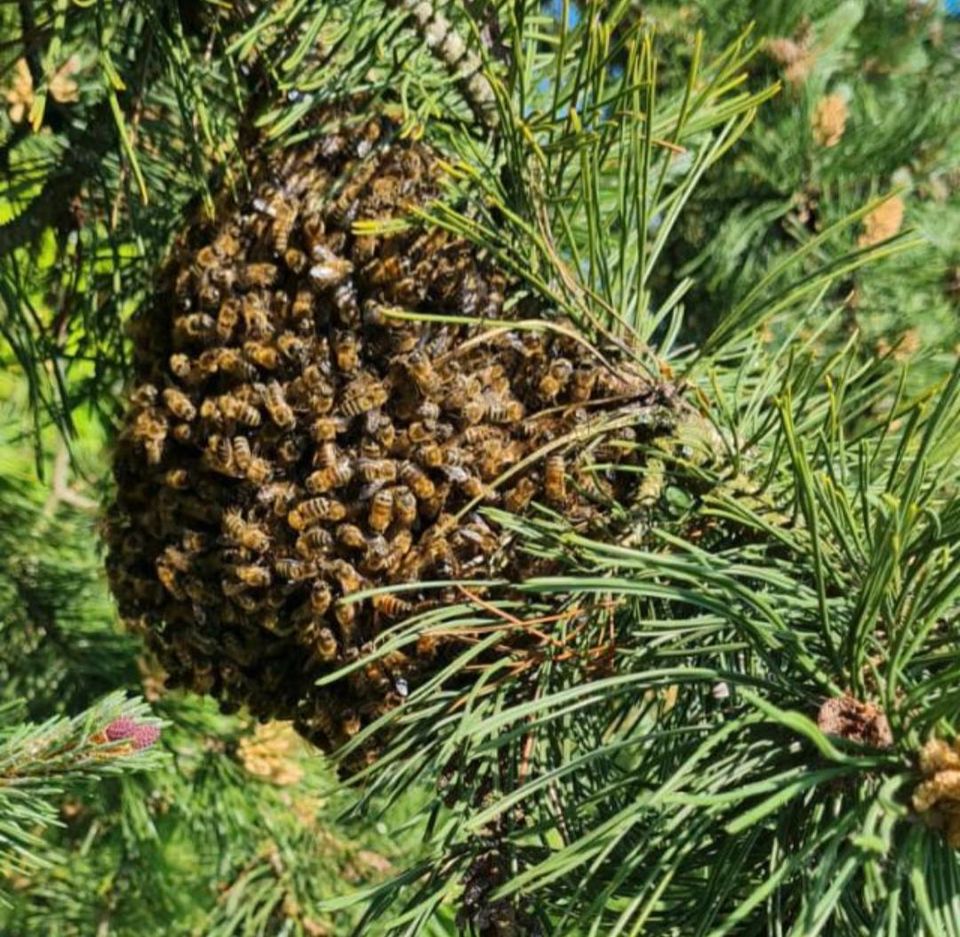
{"x":291,"y":441}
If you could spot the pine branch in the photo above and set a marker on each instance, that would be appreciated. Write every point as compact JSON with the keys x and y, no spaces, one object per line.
{"x":41,"y":762}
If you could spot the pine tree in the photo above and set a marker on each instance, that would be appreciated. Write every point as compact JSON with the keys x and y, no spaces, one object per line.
{"x":730,"y":706}
{"x":861,"y":114}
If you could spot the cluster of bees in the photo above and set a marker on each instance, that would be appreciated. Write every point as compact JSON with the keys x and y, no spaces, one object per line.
{"x":297,"y":434}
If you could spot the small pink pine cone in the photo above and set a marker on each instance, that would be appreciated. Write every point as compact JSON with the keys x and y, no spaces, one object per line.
{"x":122,"y":728}
{"x":141,"y":734}
{"x":144,"y":735}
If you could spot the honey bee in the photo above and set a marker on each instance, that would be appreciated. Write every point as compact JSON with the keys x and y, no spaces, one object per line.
{"x":345,"y":301}
{"x":196,"y":326}
{"x":145,"y":395}
{"x":256,"y":318}
{"x":184,"y":368}
{"x":376,"y":554}
{"x":209,"y":411}
{"x":284,"y":218}
{"x":491,"y":374}
{"x":230,"y":361}
{"x":556,"y":379}
{"x":261,"y":354}
{"x":313,"y":229}
{"x":315,"y":510}
{"x":454,"y":455}
{"x":424,"y":376}
{"x":249,"y":536}
{"x":294,"y":570}
{"x":417,"y":480}
{"x":518,"y":497}
{"x":169,"y":563}
{"x":295,"y":259}
{"x":377,"y":470}
{"x":316,"y":403}
{"x":205,"y":259}
{"x":474,"y":488}
{"x":167,"y":577}
{"x":292,"y":347}
{"x":438,"y":555}
{"x":208,"y":362}
{"x":150,"y":430}
{"x":314,"y":542}
{"x":329,"y":477}
{"x":328,"y":269}
{"x":398,"y":549}
{"x":381,"y":510}
{"x":219,"y":455}
{"x":183,"y":432}
{"x":276,"y":403}
{"x":226,"y":245}
{"x":362,"y":394}
{"x":314,"y":378}
{"x":430,"y":507}
{"x":257,"y":275}
{"x":349,"y":579}
{"x":253,"y":575}
{"x":325,"y":643}
{"x":490,"y":463}
{"x":441,"y":527}
{"x":258,"y":471}
{"x":233,"y":408}
{"x":327,"y":454}
{"x":351,"y":536}
{"x":194,"y":542}
{"x":386,"y":434}
{"x":327,"y":427}
{"x":301,"y":309}
{"x":583,"y":382}
{"x":344,"y":207}
{"x":418,"y":432}
{"x":427,"y":644}
{"x":178,"y":478}
{"x":473,"y":410}
{"x":429,"y":412}
{"x":555,"y":484}
{"x":430,"y":454}
{"x":404,"y":506}
{"x":227,"y":318}
{"x":350,"y":723}
{"x":504,"y":411}
{"x":320,"y":597}
{"x":346,"y":348}
{"x":291,"y":448}
{"x":479,"y":534}
{"x":375,"y":315}
{"x":265,"y":203}
{"x":237,"y":593}
{"x":279,"y":495}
